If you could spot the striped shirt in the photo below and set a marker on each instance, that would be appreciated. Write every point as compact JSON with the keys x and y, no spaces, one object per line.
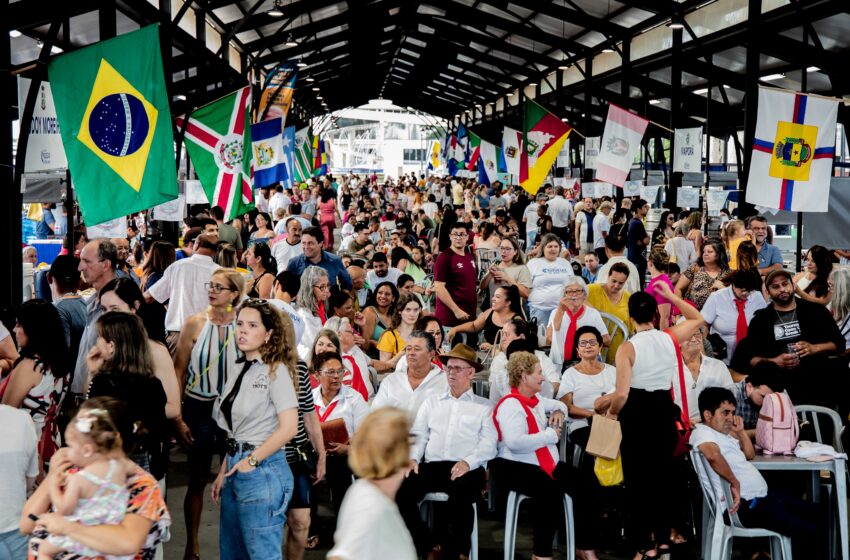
{"x":305,"y":406}
{"x":213,"y":359}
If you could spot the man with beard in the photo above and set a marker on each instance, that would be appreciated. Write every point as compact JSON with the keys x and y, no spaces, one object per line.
{"x":799,"y":337}
{"x":769,"y":256}
{"x":286,"y":249}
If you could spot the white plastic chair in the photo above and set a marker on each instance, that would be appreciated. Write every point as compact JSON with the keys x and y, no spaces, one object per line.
{"x":717,"y":534}
{"x":813,"y":414}
{"x":613,"y":324}
{"x":427,"y":511}
{"x":512,"y":514}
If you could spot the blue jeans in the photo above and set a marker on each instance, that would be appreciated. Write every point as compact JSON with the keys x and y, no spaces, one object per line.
{"x":253,"y":509}
{"x":13,"y":544}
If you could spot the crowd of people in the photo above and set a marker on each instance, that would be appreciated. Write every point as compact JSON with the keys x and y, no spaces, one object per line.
{"x":392,"y":339}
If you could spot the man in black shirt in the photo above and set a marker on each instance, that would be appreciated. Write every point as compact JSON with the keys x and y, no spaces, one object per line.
{"x":799,"y":337}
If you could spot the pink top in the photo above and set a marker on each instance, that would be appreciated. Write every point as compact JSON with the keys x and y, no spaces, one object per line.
{"x":659,"y":299}
{"x":327,"y":209}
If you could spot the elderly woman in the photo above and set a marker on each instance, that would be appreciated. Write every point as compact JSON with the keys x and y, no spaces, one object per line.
{"x":518,"y":329}
{"x":700,"y":371}
{"x":341,"y":411}
{"x":379,"y":457}
{"x":355,"y":361}
{"x":258,"y":411}
{"x":587,"y":386}
{"x":840,"y":287}
{"x":310,"y":305}
{"x":729,"y":311}
{"x":505,"y":304}
{"x":571,"y":314}
{"x":509,"y":270}
{"x":548,"y":275}
{"x":528,"y":459}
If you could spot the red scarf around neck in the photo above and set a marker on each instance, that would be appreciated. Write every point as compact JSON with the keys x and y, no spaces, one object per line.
{"x":544,"y":458}
{"x":569,"y":341}
{"x":356,"y":380}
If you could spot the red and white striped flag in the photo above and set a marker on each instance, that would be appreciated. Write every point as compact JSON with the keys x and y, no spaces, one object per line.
{"x":620,"y":143}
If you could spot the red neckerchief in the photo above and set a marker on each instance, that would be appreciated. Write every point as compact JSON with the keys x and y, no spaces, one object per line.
{"x":321,"y":311}
{"x":544,"y":458}
{"x":569,"y":341}
{"x":356,"y":380}
{"x":741,"y":325}
{"x":324,"y":417}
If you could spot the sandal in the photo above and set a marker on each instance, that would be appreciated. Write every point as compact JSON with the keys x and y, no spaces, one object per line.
{"x":312,"y":542}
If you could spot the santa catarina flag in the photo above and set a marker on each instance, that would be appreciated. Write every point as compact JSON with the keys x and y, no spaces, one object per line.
{"x":511,"y":149}
{"x":218,"y":139}
{"x":793,"y":151}
{"x":620,"y":144}
{"x":267,"y":150}
{"x":473,"y":151}
{"x":488,"y":164}
{"x":543,"y":137}
{"x":112,"y":107}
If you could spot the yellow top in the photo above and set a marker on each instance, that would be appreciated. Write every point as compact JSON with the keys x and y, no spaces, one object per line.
{"x":392,"y":342}
{"x":598,"y":299}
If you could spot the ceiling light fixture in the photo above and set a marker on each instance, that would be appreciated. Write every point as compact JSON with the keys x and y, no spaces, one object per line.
{"x":676,"y":22}
{"x":607,"y":50}
{"x":315,"y":89}
{"x":564,"y":66}
{"x":302,"y":65}
{"x":771,"y":77}
{"x":180,"y":97}
{"x":701,"y":91}
{"x":812,"y":69}
{"x":290,"y":41}
{"x":277,"y":9}
{"x":14,"y":34}
{"x":311,"y":79}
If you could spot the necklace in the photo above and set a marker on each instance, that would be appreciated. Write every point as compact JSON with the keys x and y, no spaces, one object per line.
{"x":791,"y":320}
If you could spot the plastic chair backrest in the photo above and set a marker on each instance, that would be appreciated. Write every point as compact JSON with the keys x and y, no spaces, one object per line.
{"x":703,"y":474}
{"x":812,"y":413}
{"x":613,"y":324}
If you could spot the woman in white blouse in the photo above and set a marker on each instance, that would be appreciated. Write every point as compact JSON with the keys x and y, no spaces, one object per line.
{"x":528,"y":461}
{"x":355,"y":360}
{"x":571,"y":314}
{"x":518,"y":329}
{"x":338,"y":406}
{"x":310,"y":304}
{"x":548,"y":275}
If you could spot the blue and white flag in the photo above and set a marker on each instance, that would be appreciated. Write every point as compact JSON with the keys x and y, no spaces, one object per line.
{"x":267,"y":150}
{"x":488,"y":163}
{"x":288,"y":144}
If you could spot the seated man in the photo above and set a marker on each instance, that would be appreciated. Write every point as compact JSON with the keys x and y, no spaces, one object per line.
{"x":722,"y":440}
{"x":455,"y":433}
{"x":751,"y":391}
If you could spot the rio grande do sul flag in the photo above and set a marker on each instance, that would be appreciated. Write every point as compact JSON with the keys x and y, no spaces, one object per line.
{"x":793,"y":151}
{"x":218,"y":139}
{"x":620,"y":144}
{"x":115,"y":122}
{"x":543,"y":137}
{"x":474,"y":151}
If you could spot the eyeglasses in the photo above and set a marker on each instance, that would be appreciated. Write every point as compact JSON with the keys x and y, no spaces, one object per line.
{"x":587,"y":343}
{"x":216,"y":288}
{"x":574,"y":293}
{"x":457,"y":369}
{"x":458,"y":235}
{"x":332,"y":372}
{"x":323,"y":287}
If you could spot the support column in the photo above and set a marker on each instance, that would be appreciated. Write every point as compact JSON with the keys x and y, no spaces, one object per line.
{"x":675,"y":179}
{"x":11,"y":283}
{"x":746,"y":209}
{"x":588,"y":108}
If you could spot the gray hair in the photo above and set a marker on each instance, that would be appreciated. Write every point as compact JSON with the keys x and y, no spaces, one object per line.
{"x":107,"y":251}
{"x":682,"y":229}
{"x":840,"y":292}
{"x":578,"y":281}
{"x":309,"y":279}
{"x":336,"y":324}
{"x":430,"y":343}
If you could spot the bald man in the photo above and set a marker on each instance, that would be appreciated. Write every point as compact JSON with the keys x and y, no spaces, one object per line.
{"x":358,"y":287}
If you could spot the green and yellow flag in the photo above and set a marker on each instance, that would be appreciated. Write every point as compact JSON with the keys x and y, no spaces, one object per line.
{"x":115,"y":123}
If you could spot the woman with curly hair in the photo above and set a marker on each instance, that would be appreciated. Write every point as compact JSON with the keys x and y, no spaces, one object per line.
{"x":258,"y":412}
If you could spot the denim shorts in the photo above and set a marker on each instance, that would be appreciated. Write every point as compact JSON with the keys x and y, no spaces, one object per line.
{"x":303,"y":485}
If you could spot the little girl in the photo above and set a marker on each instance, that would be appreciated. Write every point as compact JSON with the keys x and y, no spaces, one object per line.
{"x":734,"y":233}
{"x":97,"y":493}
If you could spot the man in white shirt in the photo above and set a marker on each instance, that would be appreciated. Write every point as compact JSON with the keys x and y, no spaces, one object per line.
{"x":408,"y":389}
{"x":290,"y":247}
{"x":455,"y":435}
{"x":615,"y":247}
{"x":561,"y":212}
{"x":18,"y":469}
{"x":430,"y":208}
{"x":184,"y":287}
{"x":723,"y":441}
{"x":381,"y":272}
{"x":529,"y":218}
{"x":279,"y":200}
{"x":261,"y":200}
{"x":284,"y":289}
{"x":601,"y":227}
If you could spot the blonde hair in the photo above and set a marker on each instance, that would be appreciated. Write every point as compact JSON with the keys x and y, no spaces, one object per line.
{"x":96,"y":426}
{"x":518,"y":364}
{"x":380,"y":447}
{"x":729,"y":231}
{"x":235,"y":278}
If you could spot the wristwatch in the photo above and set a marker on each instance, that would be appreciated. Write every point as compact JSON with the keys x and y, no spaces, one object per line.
{"x":253,"y":461}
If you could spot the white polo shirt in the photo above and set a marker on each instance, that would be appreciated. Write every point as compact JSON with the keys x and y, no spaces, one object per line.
{"x":182,"y":286}
{"x":395,"y":390}
{"x":721,"y":312}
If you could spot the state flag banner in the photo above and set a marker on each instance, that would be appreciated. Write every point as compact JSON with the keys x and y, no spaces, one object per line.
{"x":511,"y":149}
{"x":620,"y":144}
{"x":544,"y":135}
{"x":688,"y":155}
{"x":793,"y":151}
{"x":591,"y":151}
{"x":303,"y":155}
{"x":218,"y":139}
{"x":267,"y":151}
{"x":473,"y":151}
{"x":488,"y":171}
{"x":115,"y":123}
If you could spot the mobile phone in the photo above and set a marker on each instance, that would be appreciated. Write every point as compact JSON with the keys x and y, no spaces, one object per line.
{"x":32,"y":516}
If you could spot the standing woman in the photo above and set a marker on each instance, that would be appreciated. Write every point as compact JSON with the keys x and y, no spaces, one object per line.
{"x":204,"y":360}
{"x":160,"y":256}
{"x":509,"y":271}
{"x":258,"y":410}
{"x":264,"y":268}
{"x":327,"y":217}
{"x":39,"y":377}
{"x":263,"y":232}
{"x":658,"y":263}
{"x":703,"y":278}
{"x":310,"y":304}
{"x":549,"y":273}
{"x":812,"y":283}
{"x":646,"y":367}
{"x":695,"y":236}
{"x":664,"y":232}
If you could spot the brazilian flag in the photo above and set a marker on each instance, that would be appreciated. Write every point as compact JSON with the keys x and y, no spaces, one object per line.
{"x":115,"y":123}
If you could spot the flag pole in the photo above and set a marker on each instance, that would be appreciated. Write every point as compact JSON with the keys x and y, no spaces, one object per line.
{"x":661,"y":126}
{"x":579,"y":133}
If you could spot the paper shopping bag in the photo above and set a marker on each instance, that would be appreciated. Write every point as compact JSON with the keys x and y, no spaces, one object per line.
{"x":605,"y":438}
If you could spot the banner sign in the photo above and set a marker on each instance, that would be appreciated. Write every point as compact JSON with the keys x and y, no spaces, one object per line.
{"x":44,"y":146}
{"x":688,"y":155}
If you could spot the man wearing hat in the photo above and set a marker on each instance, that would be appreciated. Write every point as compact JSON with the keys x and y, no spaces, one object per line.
{"x":453,"y":438}
{"x":798,"y":336}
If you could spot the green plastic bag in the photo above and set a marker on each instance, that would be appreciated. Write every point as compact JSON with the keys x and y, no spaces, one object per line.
{"x":609,"y":472}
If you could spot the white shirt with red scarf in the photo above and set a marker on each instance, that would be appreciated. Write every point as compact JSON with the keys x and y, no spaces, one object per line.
{"x":516,"y":444}
{"x":347,"y":404}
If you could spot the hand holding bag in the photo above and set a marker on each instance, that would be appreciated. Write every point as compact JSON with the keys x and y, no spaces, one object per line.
{"x":605,"y":438}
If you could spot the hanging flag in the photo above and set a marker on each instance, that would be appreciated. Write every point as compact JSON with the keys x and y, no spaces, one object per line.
{"x":434,"y":163}
{"x":688,"y":155}
{"x":543,"y":137}
{"x":288,"y":147}
{"x":591,"y":151}
{"x":267,"y":149}
{"x":793,"y":151}
{"x":218,"y":139}
{"x":488,"y":164}
{"x":316,"y":155}
{"x":511,"y":149}
{"x":115,"y":122}
{"x":620,"y":144}
{"x":473,"y":151}
{"x":303,"y":155}
{"x":278,"y":88}
{"x":462,"y":144}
